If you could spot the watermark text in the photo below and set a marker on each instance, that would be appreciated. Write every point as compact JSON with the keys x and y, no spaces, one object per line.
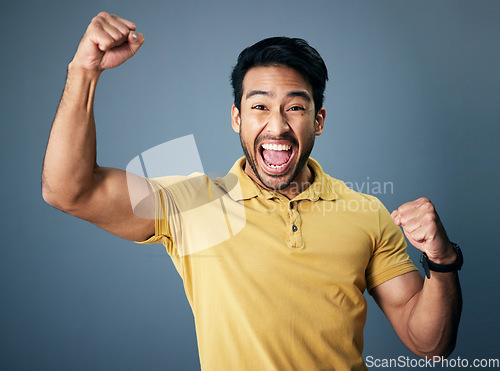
{"x":408,"y":362}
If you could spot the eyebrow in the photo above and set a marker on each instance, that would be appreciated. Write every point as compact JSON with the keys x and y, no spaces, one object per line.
{"x":251,"y":93}
{"x":298,"y":93}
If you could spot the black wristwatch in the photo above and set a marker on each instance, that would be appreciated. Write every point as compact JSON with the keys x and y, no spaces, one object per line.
{"x":431,"y":266}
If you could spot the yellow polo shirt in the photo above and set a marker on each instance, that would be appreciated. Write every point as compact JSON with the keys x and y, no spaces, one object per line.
{"x":277,"y":284}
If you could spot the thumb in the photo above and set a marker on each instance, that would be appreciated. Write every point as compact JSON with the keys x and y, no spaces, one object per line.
{"x":135,"y":41}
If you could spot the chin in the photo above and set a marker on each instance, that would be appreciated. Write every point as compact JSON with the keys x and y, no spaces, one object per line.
{"x":277,"y":182}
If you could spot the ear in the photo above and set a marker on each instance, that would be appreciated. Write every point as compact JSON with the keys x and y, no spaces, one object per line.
{"x":235,"y":118}
{"x":319,"y":123}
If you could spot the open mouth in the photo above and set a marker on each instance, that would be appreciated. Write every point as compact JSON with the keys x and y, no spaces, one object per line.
{"x":276,"y":157}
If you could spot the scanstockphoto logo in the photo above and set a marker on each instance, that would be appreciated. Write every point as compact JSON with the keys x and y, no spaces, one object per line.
{"x":201,"y":212}
{"x":405,"y":362}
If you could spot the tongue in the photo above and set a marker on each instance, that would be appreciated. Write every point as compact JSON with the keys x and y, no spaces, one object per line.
{"x":276,"y":157}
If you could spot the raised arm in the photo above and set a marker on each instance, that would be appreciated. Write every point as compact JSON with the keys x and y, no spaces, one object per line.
{"x":424,"y":314}
{"x":71,"y":179}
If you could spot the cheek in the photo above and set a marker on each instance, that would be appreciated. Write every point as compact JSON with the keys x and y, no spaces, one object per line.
{"x":304,"y":129}
{"x":247,"y":137}
{"x":250,"y":130}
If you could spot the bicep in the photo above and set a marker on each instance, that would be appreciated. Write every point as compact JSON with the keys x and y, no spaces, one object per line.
{"x":396,"y":297}
{"x":120,"y":203}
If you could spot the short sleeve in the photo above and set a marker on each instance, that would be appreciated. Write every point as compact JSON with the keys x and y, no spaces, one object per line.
{"x":179,"y":205}
{"x":162,"y":228}
{"x":390,"y":258}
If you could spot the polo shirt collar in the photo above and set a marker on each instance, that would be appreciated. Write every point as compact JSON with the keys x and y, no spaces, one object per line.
{"x":321,"y":189}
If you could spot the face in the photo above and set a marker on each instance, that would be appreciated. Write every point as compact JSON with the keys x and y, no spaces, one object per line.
{"x":277,"y":126}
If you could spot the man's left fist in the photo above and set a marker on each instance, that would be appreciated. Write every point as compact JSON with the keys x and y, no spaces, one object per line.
{"x":424,"y":230}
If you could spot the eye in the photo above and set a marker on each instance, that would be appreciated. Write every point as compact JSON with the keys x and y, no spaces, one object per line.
{"x":259,"y":107}
{"x":296,"y":108}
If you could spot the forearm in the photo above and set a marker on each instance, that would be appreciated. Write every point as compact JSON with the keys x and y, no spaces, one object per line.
{"x":70,"y":159}
{"x":435,"y":315}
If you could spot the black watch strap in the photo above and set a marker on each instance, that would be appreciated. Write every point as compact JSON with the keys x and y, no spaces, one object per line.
{"x":429,"y":265}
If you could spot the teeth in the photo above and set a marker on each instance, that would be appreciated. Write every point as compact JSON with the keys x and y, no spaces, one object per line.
{"x":276,"y":166}
{"x":276,"y":147}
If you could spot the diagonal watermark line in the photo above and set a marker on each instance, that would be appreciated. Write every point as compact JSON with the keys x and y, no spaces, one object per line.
{"x":143,"y":166}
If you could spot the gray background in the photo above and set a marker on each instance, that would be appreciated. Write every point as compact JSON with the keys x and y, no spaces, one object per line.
{"x":412,"y":100}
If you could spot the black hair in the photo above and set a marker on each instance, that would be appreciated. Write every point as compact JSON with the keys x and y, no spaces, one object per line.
{"x":291,"y":52}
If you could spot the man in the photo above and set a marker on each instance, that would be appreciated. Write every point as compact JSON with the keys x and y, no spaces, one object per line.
{"x":283,"y":289}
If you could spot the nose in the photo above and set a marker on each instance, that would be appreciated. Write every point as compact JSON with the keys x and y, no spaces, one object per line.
{"x":277,"y":123}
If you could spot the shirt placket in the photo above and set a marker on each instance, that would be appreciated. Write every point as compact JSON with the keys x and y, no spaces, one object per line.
{"x":295,"y":240}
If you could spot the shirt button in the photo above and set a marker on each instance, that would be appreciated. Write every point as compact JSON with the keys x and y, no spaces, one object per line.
{"x":294,"y":228}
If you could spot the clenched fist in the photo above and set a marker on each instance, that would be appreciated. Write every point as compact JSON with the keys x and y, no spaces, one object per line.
{"x":424,"y":230}
{"x":108,"y":42}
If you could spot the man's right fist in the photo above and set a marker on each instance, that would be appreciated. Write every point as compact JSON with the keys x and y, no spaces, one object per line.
{"x":108,"y":42}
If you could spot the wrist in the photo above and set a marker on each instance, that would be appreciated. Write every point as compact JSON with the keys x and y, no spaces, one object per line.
{"x":430,"y":265}
{"x":75,"y":70}
{"x":80,"y":89}
{"x":447,"y":256}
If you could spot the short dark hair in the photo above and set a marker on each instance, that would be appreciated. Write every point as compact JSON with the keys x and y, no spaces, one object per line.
{"x":291,"y":52}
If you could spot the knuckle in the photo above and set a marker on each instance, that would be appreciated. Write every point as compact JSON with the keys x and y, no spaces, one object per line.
{"x":95,"y":24}
{"x":115,"y":17}
{"x":97,"y":21}
{"x":429,"y":218}
{"x":429,"y":207}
